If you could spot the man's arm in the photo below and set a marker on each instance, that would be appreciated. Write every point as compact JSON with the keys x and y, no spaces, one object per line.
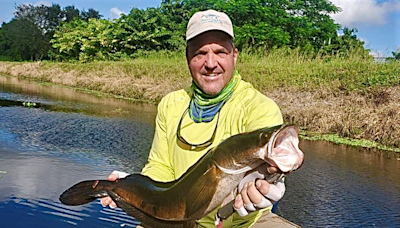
{"x":261,"y":112}
{"x":157,"y":166}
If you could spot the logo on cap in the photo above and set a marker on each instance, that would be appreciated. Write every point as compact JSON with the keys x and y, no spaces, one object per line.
{"x":212,"y":18}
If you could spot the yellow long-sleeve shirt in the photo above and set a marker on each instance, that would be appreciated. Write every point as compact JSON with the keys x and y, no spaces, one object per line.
{"x":245,"y":111}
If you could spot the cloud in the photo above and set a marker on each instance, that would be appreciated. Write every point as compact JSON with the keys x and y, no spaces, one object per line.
{"x":38,"y":3}
{"x":46,"y":3}
{"x":366,"y":42}
{"x":377,"y":54}
{"x":369,"y":12}
{"x":116,"y":13}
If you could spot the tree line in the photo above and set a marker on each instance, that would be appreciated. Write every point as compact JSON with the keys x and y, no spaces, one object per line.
{"x":65,"y":34}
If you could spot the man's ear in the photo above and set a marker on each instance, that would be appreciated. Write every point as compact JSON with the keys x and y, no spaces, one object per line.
{"x":187,"y":54}
{"x":235,"y":55}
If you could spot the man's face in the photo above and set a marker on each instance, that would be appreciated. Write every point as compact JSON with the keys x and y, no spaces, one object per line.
{"x":211,"y":60}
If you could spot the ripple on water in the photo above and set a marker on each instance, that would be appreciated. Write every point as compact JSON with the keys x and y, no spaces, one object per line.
{"x":47,"y":213}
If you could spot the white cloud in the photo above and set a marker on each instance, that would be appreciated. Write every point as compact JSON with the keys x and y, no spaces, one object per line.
{"x":116,"y":13}
{"x":371,"y":12}
{"x":366,"y":42}
{"x":377,"y":54}
{"x":39,"y":3}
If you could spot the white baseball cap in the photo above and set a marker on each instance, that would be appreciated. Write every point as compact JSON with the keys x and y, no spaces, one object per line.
{"x":204,"y":21}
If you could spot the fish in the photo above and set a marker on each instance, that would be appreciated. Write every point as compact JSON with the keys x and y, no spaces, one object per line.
{"x":203,"y":187}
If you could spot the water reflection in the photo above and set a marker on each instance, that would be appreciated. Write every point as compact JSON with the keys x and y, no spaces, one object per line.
{"x":67,"y":137}
{"x":58,"y":98}
{"x":47,"y":213}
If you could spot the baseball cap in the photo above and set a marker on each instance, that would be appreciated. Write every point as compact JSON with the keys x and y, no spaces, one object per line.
{"x":204,"y":21}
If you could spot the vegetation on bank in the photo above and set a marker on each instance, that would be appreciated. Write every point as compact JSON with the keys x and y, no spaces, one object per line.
{"x":39,"y":32}
{"x":352,"y":97}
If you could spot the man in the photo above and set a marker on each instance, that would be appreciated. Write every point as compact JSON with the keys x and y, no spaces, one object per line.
{"x":217,"y":105}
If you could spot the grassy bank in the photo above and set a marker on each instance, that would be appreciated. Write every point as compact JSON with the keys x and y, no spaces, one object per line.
{"x":354,"y":97}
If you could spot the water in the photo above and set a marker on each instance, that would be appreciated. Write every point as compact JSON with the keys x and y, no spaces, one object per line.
{"x":68,"y":137}
{"x":341,"y":186}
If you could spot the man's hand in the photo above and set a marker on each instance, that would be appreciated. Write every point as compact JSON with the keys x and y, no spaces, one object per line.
{"x":115,"y":175}
{"x":258,"y":194}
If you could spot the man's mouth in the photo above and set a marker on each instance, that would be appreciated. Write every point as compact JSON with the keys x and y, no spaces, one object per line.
{"x":211,"y":75}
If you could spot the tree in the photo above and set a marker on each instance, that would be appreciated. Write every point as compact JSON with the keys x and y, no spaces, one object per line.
{"x":396,"y":55}
{"x":91,"y":13}
{"x":345,"y":44}
{"x":46,"y":19}
{"x":258,"y":24}
{"x":149,"y":29}
{"x":70,"y":13}
{"x":85,"y":40}
{"x":276,"y":23}
{"x":23,"y":40}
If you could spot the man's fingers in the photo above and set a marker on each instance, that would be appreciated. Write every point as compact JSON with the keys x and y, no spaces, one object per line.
{"x":239,"y":206}
{"x":256,"y":197}
{"x":272,"y":169}
{"x":117,"y":175}
{"x":273,"y":192}
{"x":262,"y":186}
{"x":107,"y":201}
{"x":253,"y":194}
{"x":276,"y":191}
{"x":112,"y":205}
{"x":245,"y":197}
{"x":112,"y":177}
{"x":264,"y":203}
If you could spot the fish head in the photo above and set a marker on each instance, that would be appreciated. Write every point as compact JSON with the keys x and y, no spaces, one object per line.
{"x":282,"y":148}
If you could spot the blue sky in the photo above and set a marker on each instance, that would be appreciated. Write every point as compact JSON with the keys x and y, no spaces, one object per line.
{"x":377,"y":21}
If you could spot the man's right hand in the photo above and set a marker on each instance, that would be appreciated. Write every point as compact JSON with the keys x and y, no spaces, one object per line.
{"x":115,"y":175}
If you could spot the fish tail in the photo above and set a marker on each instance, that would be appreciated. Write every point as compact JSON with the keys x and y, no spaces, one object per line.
{"x":85,"y":192}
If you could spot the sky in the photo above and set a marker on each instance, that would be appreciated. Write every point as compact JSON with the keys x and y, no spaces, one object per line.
{"x":377,"y":21}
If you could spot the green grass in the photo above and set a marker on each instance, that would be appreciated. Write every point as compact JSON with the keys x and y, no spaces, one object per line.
{"x":352,"y":97}
{"x":280,"y":68}
{"x":349,"y":141}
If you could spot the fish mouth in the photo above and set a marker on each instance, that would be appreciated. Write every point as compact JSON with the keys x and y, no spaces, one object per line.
{"x":283,"y":149}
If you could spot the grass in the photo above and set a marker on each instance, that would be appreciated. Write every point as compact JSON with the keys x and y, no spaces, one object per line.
{"x":351,"y":97}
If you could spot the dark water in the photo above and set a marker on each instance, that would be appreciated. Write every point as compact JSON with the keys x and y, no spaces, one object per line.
{"x":67,"y":137}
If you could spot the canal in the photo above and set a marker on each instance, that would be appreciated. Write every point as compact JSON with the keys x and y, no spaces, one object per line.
{"x":53,"y":137}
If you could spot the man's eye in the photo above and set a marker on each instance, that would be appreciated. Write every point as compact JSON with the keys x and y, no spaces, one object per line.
{"x":222,"y":53}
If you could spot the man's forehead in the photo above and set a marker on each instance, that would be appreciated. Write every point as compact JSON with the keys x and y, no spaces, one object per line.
{"x":211,"y":37}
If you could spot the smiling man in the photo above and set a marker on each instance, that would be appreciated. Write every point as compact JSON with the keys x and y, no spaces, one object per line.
{"x":217,"y":105}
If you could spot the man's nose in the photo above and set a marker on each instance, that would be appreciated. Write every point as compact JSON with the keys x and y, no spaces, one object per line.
{"x":211,"y":61}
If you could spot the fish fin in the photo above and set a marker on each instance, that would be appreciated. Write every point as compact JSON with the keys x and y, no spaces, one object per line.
{"x":146,"y":220}
{"x":201,"y":194}
{"x":83,"y":192}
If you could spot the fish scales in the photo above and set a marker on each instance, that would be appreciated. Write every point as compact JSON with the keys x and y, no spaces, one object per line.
{"x":205,"y":185}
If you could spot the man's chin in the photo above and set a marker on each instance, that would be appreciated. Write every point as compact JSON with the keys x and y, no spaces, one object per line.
{"x":212,"y":92}
{"x":211,"y":88}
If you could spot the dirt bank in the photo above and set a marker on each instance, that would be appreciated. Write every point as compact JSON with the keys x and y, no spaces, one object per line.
{"x":371,"y":115}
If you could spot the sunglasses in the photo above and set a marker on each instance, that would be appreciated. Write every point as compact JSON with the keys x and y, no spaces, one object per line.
{"x":194,"y":145}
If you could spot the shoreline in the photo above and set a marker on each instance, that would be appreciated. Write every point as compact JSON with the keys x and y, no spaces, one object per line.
{"x":354,"y":118}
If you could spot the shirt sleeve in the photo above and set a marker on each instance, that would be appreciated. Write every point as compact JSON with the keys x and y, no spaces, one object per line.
{"x":158,"y":166}
{"x":262,"y":112}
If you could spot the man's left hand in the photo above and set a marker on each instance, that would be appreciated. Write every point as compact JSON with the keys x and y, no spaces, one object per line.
{"x":258,"y":194}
